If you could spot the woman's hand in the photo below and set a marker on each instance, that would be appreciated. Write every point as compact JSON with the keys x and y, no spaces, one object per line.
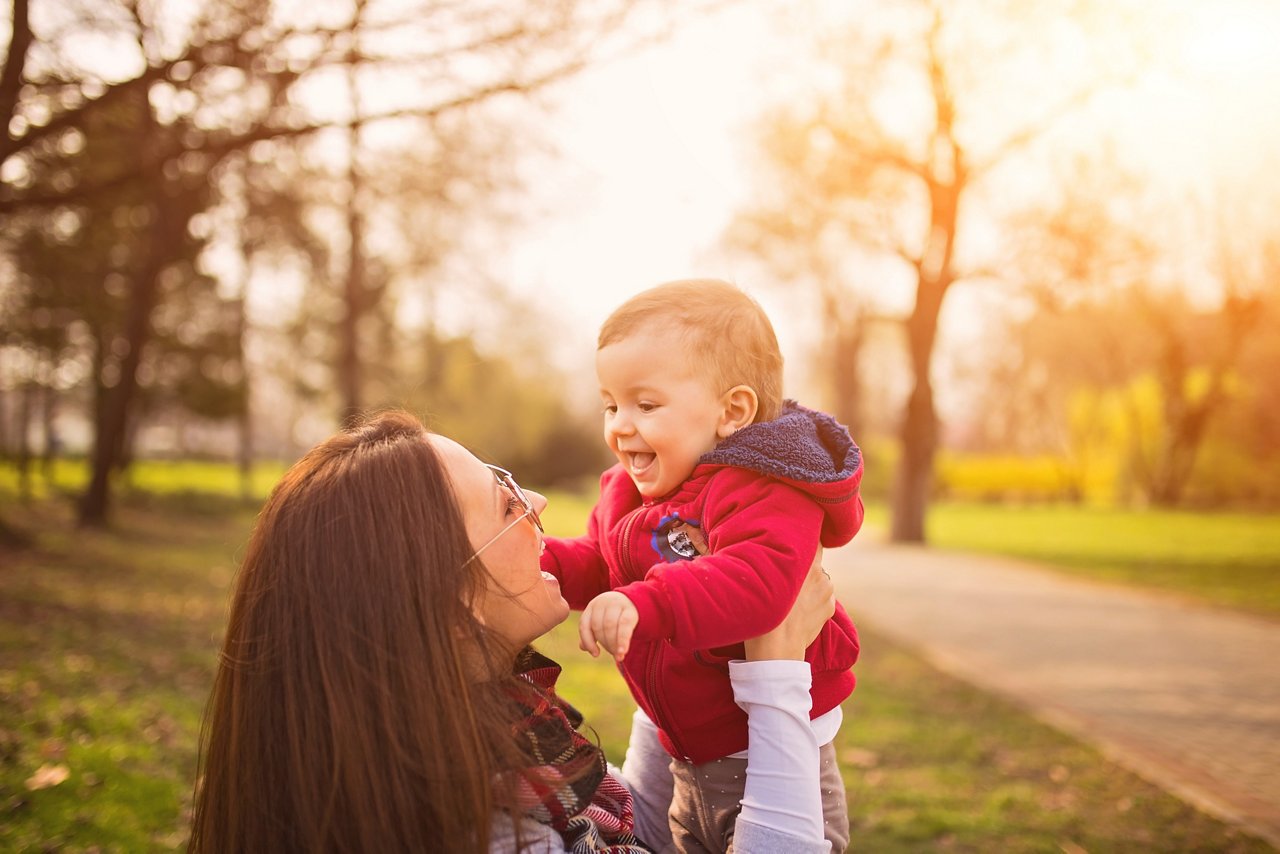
{"x":814,"y":606}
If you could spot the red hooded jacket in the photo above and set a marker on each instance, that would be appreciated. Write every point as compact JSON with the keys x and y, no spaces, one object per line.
{"x":719,"y":560}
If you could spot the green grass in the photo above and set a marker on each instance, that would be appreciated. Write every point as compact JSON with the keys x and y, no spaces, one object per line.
{"x":107,"y":646}
{"x":1227,"y":559}
{"x":153,"y":477}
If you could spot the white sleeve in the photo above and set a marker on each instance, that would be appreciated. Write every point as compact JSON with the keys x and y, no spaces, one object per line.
{"x":646,"y":771}
{"x":782,"y":798}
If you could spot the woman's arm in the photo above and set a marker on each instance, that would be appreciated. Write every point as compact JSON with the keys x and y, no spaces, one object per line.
{"x":782,"y":804}
{"x":782,"y":801}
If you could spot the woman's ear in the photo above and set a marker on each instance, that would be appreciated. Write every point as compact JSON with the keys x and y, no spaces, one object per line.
{"x":740,"y":406}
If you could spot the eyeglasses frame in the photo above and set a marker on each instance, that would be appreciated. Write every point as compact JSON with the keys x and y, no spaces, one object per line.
{"x":507,"y":480}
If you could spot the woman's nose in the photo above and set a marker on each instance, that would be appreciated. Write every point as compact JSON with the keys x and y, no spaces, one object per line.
{"x":538,"y":500}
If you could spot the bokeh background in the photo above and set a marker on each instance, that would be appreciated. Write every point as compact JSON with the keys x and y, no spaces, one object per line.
{"x":1028,"y":251}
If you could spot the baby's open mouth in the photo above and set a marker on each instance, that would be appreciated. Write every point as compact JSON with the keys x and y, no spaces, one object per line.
{"x":640,"y":461}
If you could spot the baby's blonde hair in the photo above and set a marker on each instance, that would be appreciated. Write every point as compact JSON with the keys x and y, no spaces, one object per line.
{"x":725,"y":332}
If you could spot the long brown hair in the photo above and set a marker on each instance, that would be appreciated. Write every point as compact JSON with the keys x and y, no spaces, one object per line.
{"x":346,"y":714}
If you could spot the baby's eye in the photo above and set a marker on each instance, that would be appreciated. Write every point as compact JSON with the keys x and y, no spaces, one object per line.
{"x":646,"y":406}
{"x":610,"y":408}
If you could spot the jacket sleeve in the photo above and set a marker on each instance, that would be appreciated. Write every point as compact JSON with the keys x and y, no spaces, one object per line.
{"x":762,"y":536}
{"x":577,"y":564}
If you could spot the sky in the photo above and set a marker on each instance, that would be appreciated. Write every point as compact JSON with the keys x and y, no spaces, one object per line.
{"x":652,"y":164}
{"x":655,"y":153}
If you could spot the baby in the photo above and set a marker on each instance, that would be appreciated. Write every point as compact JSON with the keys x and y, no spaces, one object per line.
{"x":703,"y":534}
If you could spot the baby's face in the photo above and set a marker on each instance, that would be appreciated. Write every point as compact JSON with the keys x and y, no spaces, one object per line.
{"x":660,"y":413}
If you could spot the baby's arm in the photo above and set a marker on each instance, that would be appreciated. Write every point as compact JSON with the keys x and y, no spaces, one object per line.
{"x":577,"y":564}
{"x":762,"y":540}
{"x":608,"y":621}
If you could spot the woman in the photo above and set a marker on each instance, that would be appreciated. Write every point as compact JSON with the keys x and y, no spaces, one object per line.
{"x":377,"y":692}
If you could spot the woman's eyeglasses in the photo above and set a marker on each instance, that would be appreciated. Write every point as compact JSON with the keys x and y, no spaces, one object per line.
{"x":508,"y":482}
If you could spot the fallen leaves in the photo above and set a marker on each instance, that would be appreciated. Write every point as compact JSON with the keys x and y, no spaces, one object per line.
{"x":47,"y":776}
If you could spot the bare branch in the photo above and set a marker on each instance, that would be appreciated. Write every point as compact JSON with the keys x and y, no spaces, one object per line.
{"x":1036,"y":129}
{"x":219,"y":149}
{"x":14,"y":63}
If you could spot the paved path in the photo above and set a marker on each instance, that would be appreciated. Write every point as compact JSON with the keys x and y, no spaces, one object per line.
{"x":1185,"y":695}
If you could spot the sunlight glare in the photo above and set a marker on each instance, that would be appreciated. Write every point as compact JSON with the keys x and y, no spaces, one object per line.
{"x":1235,"y":45}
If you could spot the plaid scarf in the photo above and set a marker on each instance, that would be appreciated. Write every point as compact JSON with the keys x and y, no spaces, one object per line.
{"x":566,"y":784}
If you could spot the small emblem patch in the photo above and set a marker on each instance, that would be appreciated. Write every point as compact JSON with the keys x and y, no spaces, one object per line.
{"x":679,"y":539}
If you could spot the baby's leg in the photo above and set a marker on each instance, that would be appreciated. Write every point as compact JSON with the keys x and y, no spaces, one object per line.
{"x":707,"y":800}
{"x":705,"y":804}
{"x":835,"y":806}
{"x":647,"y":770}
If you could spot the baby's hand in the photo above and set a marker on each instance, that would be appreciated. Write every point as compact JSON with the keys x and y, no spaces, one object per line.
{"x":608,"y":621}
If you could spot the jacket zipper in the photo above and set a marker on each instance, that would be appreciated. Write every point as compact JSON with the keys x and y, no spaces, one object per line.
{"x":625,"y":563}
{"x":656,"y":699}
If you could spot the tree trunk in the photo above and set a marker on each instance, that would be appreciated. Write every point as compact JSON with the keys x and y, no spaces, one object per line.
{"x":945,"y":175}
{"x":244,"y":419}
{"x":49,"y":415}
{"x":6,"y":447}
{"x":918,"y":433}
{"x":112,"y":447}
{"x":24,"y":440}
{"x":1186,"y":422}
{"x":110,"y":435}
{"x":350,"y":368}
{"x":846,"y":380}
{"x":20,"y":39}
{"x":919,"y":429}
{"x":245,"y":451}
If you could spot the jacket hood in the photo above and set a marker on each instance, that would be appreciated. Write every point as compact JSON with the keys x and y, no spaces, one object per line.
{"x":809,"y":450}
{"x":801,"y":445}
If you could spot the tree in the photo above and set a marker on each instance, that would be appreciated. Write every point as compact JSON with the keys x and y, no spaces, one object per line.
{"x":1112,"y":317}
{"x":893,"y":159}
{"x":204,"y":85}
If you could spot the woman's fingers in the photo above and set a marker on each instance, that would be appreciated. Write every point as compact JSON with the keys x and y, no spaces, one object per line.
{"x":814,"y":605}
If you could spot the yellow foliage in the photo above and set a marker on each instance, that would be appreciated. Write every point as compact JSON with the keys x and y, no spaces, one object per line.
{"x":994,"y":477}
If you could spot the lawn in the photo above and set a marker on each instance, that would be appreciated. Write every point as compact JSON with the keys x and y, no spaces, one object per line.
{"x":108,"y":640}
{"x":154,"y":477}
{"x":1226,"y":559}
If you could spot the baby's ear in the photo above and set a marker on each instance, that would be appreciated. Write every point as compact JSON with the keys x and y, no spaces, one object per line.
{"x":740,"y":406}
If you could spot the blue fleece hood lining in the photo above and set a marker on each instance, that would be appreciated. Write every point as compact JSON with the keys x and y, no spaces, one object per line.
{"x":801,"y":444}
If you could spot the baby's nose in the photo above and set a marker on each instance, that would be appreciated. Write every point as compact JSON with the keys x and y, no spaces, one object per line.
{"x":620,"y":424}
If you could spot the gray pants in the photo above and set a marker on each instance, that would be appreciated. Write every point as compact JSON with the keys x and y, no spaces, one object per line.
{"x":707,"y":801}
